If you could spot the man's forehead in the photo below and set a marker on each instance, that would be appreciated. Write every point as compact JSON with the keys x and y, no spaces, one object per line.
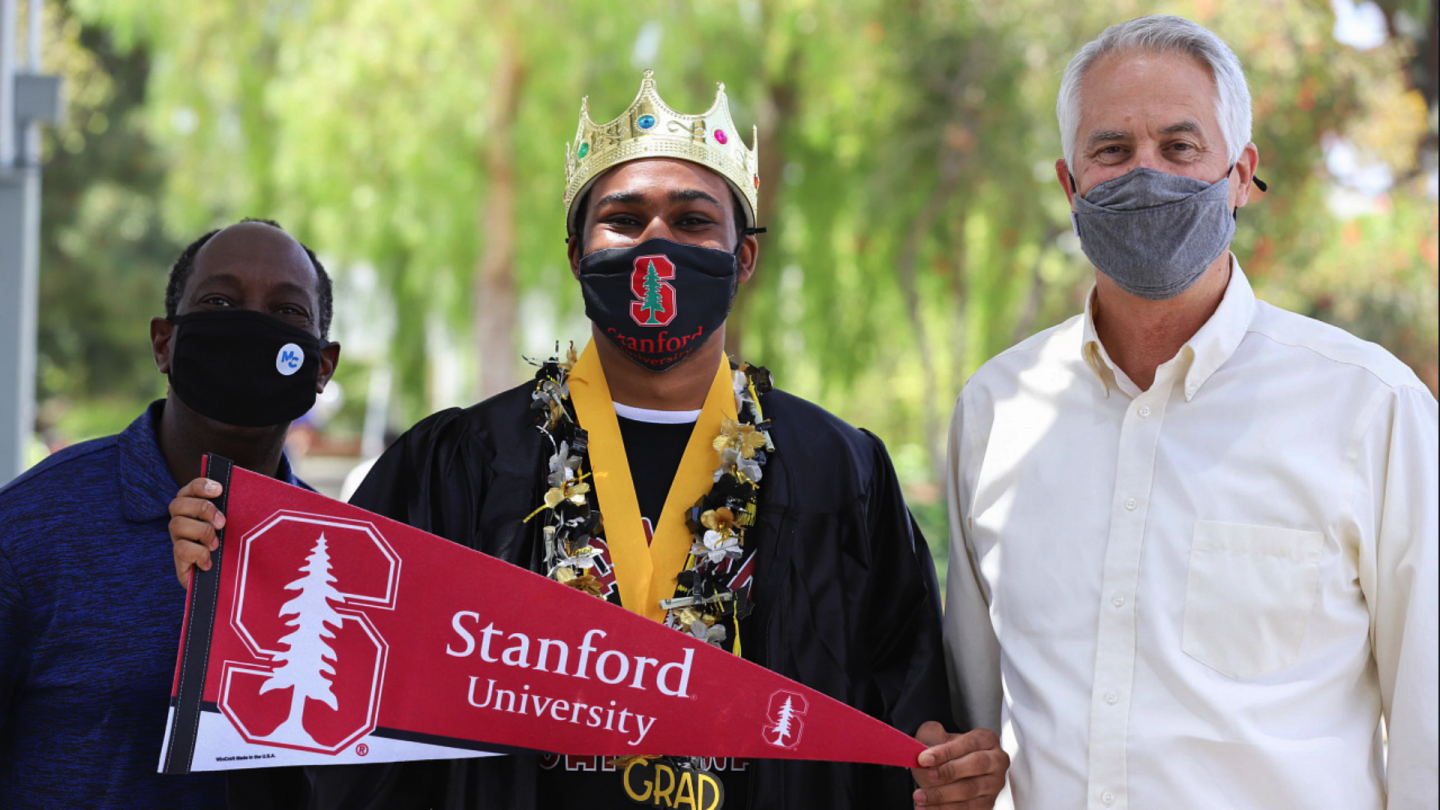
{"x":254,"y":252}
{"x":252,"y":244}
{"x":659,"y":179}
{"x":1174,"y":92}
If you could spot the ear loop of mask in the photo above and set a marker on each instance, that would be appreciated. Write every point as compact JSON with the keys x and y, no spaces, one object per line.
{"x":1074,"y":217}
{"x":1260,"y":184}
{"x":744,"y":232}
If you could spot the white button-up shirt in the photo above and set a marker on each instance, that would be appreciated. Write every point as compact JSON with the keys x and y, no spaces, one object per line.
{"x":1206,"y":594}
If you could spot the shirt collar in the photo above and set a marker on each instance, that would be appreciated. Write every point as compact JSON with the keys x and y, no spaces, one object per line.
{"x":1092,"y":350}
{"x":146,"y":485}
{"x":1218,"y":339}
{"x":1208,"y":348}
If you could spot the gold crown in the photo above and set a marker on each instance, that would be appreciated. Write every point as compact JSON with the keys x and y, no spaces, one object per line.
{"x":650,"y":129}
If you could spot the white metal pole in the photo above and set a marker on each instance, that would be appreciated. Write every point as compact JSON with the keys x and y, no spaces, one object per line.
{"x":9,"y":41}
{"x":28,"y":148}
{"x":34,"y":20}
{"x":19,"y":254}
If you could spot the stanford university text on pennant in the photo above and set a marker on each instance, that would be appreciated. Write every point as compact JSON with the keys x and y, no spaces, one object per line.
{"x":326,"y":634}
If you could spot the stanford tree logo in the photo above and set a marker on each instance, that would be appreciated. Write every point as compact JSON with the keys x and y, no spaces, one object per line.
{"x":320,"y":689}
{"x":654,"y":303}
{"x":305,"y":666}
{"x":785,"y":719}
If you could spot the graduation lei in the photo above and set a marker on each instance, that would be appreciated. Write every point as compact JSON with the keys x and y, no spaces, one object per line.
{"x":703,"y":604}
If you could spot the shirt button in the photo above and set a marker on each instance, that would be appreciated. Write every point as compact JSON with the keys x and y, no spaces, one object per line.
{"x":1118,"y":600}
{"x":1131,"y":503}
{"x":1107,"y":797}
{"x":1144,"y":411}
{"x":1111,"y":698}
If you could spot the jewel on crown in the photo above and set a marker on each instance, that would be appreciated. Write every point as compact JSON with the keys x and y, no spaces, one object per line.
{"x":651,"y":129}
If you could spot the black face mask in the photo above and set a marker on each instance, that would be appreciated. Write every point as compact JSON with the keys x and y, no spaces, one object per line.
{"x":659,"y":301}
{"x":243,"y":368}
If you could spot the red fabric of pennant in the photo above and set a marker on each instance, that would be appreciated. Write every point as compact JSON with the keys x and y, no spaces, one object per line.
{"x":324,"y":633}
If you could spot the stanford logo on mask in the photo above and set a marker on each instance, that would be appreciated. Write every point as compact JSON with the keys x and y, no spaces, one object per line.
{"x":654,"y":303}
{"x":633,"y":295}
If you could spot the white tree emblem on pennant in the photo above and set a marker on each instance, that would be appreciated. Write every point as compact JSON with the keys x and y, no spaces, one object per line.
{"x":785,"y":719}
{"x":313,"y":633}
{"x":307,"y":661}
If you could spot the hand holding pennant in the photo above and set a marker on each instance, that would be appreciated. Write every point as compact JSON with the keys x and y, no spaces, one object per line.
{"x":323,"y":634}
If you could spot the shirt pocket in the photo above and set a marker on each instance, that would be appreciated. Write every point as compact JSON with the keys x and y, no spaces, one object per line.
{"x":1249,"y":596}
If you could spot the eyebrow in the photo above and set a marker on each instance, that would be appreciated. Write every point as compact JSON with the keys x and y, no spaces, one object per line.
{"x":678,"y":195}
{"x":1104,"y":136}
{"x":620,"y":197}
{"x":291,"y":286}
{"x":690,"y":194}
{"x":1100,"y":136}
{"x":1183,"y":126}
{"x":231,"y":278}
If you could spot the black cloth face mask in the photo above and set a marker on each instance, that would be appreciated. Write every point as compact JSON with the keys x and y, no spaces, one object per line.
{"x":659,"y":301}
{"x":242,"y":367}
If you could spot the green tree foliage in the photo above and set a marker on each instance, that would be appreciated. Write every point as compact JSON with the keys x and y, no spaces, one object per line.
{"x":104,"y":253}
{"x":907,"y":160}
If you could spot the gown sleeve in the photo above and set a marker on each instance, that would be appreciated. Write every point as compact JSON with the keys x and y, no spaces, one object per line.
{"x":904,"y":627}
{"x":402,"y":483}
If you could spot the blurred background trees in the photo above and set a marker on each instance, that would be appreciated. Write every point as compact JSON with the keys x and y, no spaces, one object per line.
{"x":907,"y":154}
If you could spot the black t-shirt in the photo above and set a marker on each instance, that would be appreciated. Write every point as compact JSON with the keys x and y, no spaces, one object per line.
{"x":654,"y":451}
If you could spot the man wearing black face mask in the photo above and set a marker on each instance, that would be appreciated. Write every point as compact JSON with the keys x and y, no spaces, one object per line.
{"x":1201,"y":529}
{"x":87,"y":639}
{"x":731,"y":511}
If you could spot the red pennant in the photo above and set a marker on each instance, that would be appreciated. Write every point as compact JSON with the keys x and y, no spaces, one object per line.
{"x":327,"y":634}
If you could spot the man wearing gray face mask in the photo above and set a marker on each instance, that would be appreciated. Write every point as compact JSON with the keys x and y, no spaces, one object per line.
{"x":1193,"y":536}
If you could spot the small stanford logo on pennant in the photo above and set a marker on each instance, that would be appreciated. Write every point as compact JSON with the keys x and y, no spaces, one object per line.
{"x":786,"y":719}
{"x":654,"y":303}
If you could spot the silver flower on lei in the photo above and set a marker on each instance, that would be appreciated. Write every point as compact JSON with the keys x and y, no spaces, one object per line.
{"x":563,"y":466}
{"x":715,"y":546}
{"x":740,"y":381}
{"x":749,"y":467}
{"x":710,"y":634}
{"x":583,"y":558}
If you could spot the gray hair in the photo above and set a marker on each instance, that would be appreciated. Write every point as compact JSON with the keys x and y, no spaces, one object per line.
{"x":1162,"y":33}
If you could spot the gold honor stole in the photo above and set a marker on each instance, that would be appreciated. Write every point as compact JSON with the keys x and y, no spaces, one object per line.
{"x":646,"y":573}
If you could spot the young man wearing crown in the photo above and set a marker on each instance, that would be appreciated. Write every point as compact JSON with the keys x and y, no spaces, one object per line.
{"x":797,"y":552}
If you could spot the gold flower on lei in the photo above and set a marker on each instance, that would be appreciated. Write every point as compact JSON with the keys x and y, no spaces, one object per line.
{"x":744,"y":439}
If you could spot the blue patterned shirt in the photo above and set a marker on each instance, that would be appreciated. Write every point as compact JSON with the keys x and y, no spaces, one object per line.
{"x":89,"y":628}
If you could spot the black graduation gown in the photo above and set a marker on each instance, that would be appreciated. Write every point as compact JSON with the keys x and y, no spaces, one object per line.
{"x":846,"y":599}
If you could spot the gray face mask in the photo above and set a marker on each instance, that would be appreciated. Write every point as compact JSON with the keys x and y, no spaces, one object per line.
{"x":1154,"y":233}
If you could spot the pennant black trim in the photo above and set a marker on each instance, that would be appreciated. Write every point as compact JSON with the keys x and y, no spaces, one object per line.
{"x":449,"y":742}
{"x":195,"y":646}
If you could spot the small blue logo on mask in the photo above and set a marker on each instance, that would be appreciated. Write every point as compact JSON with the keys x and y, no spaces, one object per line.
{"x":289,"y":360}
